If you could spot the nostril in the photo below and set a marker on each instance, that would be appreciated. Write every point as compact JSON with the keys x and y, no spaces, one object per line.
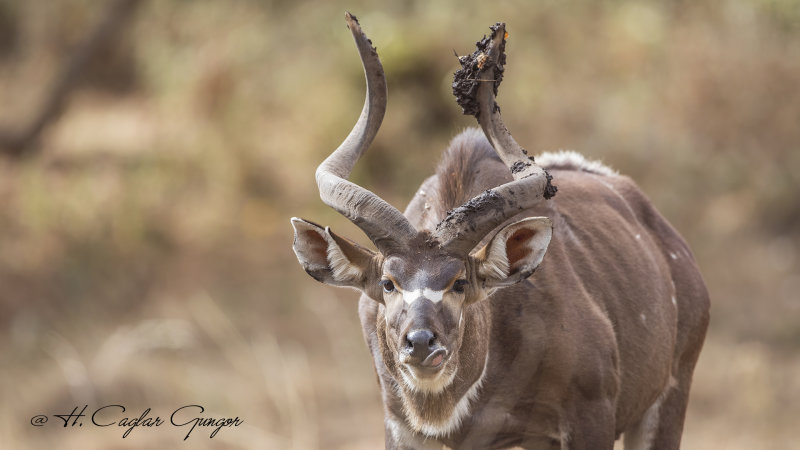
{"x":420,"y":341}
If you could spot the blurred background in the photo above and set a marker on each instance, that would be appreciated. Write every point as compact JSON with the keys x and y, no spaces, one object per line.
{"x":152,"y":153}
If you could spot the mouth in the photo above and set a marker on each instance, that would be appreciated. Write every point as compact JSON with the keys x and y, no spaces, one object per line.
{"x":435,"y":360}
{"x":431,"y":365}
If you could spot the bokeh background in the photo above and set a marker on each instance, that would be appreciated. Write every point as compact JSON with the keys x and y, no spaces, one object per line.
{"x":145,"y":245}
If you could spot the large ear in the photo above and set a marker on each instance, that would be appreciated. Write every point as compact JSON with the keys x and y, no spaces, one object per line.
{"x":514,"y":252}
{"x":329,"y":258}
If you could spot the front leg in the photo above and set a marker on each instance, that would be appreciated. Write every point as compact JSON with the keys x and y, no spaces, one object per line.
{"x":591,"y":427}
{"x":400,"y":437}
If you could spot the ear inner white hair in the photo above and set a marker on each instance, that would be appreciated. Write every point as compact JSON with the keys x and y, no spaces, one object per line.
{"x":343,"y":269}
{"x":496,"y":264}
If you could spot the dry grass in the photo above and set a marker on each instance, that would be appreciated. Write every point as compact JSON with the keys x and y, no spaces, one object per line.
{"x":145,"y":251}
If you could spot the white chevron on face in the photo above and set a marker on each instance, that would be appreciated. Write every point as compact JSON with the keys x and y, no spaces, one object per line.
{"x":434,"y":296}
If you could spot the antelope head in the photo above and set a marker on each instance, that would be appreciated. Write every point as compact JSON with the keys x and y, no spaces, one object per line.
{"x":425,"y":279}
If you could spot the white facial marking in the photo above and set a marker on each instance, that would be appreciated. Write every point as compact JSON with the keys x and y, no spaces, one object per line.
{"x":674,"y":302}
{"x":638,"y":236}
{"x":434,"y":296}
{"x":673,"y":255}
{"x":410,"y":296}
{"x":643,"y":317}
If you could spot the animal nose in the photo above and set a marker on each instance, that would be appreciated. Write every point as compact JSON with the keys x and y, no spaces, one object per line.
{"x":420,"y":343}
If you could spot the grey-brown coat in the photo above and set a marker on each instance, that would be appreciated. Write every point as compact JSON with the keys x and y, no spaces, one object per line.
{"x":471,"y":347}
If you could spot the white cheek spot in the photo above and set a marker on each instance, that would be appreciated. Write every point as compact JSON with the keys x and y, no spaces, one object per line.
{"x":638,"y":236}
{"x":673,"y":255}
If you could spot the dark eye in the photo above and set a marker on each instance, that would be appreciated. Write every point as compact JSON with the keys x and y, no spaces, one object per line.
{"x":388,"y":286}
{"x":458,"y":286}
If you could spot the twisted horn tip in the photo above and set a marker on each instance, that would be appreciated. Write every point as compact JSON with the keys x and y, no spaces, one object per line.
{"x":489,"y":54}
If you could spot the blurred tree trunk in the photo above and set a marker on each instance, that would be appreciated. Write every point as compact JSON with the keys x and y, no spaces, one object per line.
{"x":17,"y":144}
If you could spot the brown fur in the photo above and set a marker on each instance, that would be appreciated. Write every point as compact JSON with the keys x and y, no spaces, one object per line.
{"x":580,"y":351}
{"x":459,"y":172}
